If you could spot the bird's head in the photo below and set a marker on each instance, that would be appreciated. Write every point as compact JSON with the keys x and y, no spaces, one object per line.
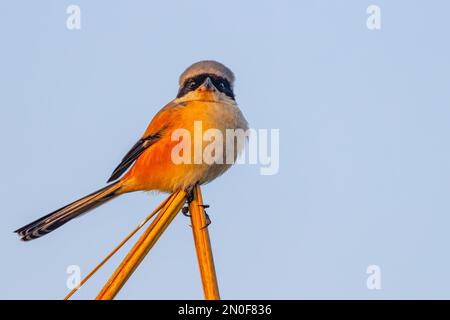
{"x":206,"y":81}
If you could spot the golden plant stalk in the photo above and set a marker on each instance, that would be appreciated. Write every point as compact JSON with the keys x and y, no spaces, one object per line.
{"x":203,"y":247}
{"x":128,"y":237}
{"x":168,"y":209}
{"x":143,"y":246}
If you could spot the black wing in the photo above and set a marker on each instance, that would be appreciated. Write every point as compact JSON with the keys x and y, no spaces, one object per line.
{"x":132,"y":155}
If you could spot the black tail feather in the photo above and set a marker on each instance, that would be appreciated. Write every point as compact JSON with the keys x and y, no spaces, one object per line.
{"x":57,"y":218}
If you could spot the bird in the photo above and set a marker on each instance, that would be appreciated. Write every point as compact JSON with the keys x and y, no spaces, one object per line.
{"x":205,"y":95}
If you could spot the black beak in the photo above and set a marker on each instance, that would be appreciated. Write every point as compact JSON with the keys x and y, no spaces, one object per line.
{"x":208,"y":85}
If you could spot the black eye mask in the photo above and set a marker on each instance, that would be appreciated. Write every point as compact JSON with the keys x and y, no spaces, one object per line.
{"x":193,"y":83}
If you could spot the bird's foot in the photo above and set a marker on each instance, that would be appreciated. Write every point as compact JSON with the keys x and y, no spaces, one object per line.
{"x":190,"y":194}
{"x":208,"y":220}
{"x":189,"y":198}
{"x":185,"y":211}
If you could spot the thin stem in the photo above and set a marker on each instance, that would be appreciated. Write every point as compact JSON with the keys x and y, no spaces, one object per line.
{"x":203,"y":247}
{"x":128,"y":237}
{"x":143,"y":246}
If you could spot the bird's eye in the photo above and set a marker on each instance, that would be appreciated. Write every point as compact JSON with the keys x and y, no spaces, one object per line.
{"x":192,"y":84}
{"x":222,"y":85}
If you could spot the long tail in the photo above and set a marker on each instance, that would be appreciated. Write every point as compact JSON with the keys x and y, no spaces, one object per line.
{"x":57,"y":218}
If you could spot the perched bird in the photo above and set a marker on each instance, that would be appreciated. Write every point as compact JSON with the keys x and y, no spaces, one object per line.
{"x":205,"y":94}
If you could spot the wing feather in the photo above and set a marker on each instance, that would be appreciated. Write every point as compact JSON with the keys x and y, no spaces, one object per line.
{"x":132,"y":155}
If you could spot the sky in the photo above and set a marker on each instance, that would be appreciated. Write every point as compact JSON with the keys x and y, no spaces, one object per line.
{"x":363,"y":119}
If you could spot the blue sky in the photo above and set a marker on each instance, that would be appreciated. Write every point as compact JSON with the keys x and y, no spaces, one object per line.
{"x":363,"y":116}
